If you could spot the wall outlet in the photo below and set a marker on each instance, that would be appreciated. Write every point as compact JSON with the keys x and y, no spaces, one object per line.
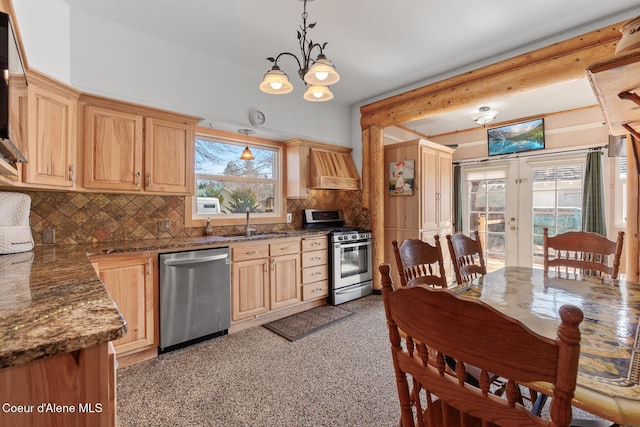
{"x":289,"y":218}
{"x":49,"y":236}
{"x":164,"y":225}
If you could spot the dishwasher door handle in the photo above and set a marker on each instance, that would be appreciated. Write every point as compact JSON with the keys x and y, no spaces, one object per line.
{"x":195,"y":260}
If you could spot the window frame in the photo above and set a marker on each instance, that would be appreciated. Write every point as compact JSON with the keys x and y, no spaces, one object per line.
{"x":620,"y":195}
{"x":280,"y":204}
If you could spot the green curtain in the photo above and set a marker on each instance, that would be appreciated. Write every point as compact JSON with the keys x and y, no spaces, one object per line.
{"x":457,"y":199}
{"x":593,"y":195}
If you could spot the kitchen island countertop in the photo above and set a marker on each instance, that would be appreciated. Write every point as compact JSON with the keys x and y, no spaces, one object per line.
{"x":52,"y":301}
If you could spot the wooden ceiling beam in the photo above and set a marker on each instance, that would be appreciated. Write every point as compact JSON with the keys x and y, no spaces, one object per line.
{"x":562,"y":61}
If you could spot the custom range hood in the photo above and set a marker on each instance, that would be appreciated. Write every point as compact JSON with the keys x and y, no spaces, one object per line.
{"x":332,"y":171}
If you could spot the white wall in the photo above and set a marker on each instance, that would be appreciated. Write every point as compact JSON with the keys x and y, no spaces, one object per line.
{"x":44,"y":28}
{"x":104,"y":58}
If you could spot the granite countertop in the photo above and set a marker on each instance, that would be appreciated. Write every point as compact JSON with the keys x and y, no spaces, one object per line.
{"x":52,"y":301}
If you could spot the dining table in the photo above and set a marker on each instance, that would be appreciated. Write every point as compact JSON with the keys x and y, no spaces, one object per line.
{"x":609,"y":365}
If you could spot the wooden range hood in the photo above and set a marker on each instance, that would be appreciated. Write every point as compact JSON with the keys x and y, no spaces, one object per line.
{"x":332,"y":170}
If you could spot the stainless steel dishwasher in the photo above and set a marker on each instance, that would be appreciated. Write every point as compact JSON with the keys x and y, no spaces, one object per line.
{"x":195,"y":297}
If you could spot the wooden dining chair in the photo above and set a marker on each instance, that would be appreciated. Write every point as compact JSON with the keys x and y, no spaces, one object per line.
{"x":583,"y":252}
{"x":420,"y":263}
{"x":466,"y":255}
{"x":503,"y":346}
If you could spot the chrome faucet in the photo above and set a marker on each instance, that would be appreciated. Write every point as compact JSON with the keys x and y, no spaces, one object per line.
{"x":248,"y":234}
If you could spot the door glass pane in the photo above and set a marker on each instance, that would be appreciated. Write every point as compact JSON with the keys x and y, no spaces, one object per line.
{"x":557,"y":203}
{"x":486,"y":214}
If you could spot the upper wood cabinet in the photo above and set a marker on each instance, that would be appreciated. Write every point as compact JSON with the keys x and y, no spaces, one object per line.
{"x":113,"y":149}
{"x":129,"y":148}
{"x":51,"y":136}
{"x":169,"y":156}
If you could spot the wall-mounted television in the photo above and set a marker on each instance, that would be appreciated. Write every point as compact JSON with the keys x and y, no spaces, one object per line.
{"x":516,"y":137}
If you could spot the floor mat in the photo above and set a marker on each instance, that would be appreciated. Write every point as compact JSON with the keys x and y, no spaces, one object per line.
{"x":307,"y":322}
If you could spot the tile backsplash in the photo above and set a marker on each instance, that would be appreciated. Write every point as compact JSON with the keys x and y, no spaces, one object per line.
{"x":96,"y":217}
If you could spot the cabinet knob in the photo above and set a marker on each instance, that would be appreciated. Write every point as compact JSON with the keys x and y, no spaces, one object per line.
{"x":148,"y":179}
{"x":72,"y":173}
{"x":138,"y":179}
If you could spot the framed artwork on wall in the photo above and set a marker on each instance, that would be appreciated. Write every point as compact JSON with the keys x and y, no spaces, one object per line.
{"x":401,"y":178}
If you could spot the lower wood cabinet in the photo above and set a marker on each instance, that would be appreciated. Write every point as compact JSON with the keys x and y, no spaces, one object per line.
{"x":81,"y":382}
{"x":249,"y":281}
{"x":315,"y":268}
{"x":285,"y":272}
{"x":264,"y":277}
{"x":130,"y":281}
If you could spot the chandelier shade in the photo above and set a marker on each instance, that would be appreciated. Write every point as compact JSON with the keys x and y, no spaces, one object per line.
{"x":317,"y":74}
{"x":322,"y":72}
{"x":276,"y":82}
{"x":318,"y":93}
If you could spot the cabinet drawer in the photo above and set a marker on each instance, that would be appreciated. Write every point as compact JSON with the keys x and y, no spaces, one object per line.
{"x":314,"y":274}
{"x":285,"y":247}
{"x":246,"y":253}
{"x":315,"y":244}
{"x":311,"y":259}
{"x":315,"y":290}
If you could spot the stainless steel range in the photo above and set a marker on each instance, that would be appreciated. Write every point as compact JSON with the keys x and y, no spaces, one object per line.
{"x":350,"y":255}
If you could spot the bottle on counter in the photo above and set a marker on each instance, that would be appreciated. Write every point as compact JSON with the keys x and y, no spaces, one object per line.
{"x":208,"y":230}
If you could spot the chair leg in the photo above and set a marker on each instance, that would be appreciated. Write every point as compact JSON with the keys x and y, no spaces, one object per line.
{"x":539,"y":404}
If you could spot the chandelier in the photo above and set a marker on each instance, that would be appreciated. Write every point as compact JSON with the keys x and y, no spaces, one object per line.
{"x":317,"y":74}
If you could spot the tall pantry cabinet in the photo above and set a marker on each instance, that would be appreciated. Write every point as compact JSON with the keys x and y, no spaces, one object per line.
{"x":426,"y":209}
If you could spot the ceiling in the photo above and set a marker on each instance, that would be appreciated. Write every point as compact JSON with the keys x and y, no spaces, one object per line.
{"x":380,"y":48}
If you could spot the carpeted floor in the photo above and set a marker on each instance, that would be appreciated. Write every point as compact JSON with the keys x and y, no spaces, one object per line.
{"x":339,"y":376}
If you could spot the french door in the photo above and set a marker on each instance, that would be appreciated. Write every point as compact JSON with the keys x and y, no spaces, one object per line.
{"x":510,"y":202}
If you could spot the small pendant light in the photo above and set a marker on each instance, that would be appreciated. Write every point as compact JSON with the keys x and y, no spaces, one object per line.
{"x":246,"y":153}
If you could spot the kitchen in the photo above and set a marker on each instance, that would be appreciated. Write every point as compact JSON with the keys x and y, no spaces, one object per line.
{"x":150,"y":209}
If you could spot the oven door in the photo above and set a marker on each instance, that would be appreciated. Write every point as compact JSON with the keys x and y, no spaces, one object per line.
{"x":352,"y":263}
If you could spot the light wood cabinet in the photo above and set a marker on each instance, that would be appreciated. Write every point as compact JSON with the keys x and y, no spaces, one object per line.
{"x":249,"y":280}
{"x":429,"y":209}
{"x":131,"y":148}
{"x":285,"y":272}
{"x":315,"y":268}
{"x":129,"y":279}
{"x":113,"y":149}
{"x":265,"y":276}
{"x":51,"y":134}
{"x":82,"y":380}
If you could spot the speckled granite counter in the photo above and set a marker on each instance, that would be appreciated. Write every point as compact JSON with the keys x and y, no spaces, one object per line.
{"x":51,"y":300}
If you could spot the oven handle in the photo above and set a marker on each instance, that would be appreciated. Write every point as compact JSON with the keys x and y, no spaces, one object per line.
{"x":353,"y":244}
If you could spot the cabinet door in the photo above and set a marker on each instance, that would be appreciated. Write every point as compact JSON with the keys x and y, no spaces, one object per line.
{"x":285,"y":280}
{"x":445,"y":189}
{"x":129,"y":281}
{"x":429,"y":187}
{"x":250,"y":286}
{"x":169,"y":156}
{"x":51,"y":138}
{"x":113,"y":150}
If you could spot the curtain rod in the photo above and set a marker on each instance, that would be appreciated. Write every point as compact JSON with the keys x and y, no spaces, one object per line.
{"x":518,"y":155}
